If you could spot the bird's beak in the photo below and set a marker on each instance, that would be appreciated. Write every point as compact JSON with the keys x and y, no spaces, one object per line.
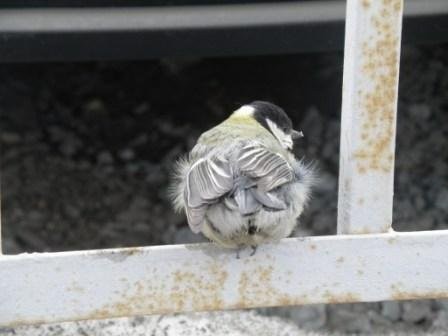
{"x":296,"y":134}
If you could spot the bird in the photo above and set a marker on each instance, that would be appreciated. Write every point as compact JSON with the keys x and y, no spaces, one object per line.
{"x":241,"y":185}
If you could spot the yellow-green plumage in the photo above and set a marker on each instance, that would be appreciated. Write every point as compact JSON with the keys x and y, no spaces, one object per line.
{"x":240,"y":128}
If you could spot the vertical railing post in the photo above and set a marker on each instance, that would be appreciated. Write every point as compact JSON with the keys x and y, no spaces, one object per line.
{"x":369,"y":109}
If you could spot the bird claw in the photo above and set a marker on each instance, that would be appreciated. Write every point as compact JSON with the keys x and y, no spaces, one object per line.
{"x":252,"y":253}
{"x":254,"y":249}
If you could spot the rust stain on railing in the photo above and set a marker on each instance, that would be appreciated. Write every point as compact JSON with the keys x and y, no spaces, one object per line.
{"x":184,"y":290}
{"x":398,"y":293}
{"x":191,"y":292}
{"x":378,"y":104}
{"x":187,"y":291}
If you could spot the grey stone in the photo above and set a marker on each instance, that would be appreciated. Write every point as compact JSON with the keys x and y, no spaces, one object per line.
{"x":326,"y":183}
{"x":126,"y":154}
{"x":323,"y":222}
{"x":391,"y":310}
{"x":186,"y":236}
{"x":440,"y":321}
{"x":310,"y":317}
{"x":442,"y":304}
{"x":94,"y":105}
{"x":424,"y":222}
{"x":343,"y":319}
{"x":416,"y":311}
{"x":378,"y":320}
{"x":419,"y":201}
{"x":420,"y":111}
{"x":140,"y":140}
{"x":329,"y":149}
{"x":300,"y":231}
{"x":442,"y":200}
{"x":105,"y":158}
{"x":84,"y":165}
{"x":69,"y":147}
{"x":10,"y":138}
{"x":141,"y":108}
{"x":312,"y":125}
{"x":132,"y":168}
{"x":10,"y":246}
{"x":72,"y":211}
{"x":56,"y":133}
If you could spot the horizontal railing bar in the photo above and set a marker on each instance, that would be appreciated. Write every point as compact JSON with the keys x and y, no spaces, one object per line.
{"x":63,"y":286}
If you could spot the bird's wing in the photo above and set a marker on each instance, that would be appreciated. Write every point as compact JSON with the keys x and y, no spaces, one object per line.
{"x":270,"y":170}
{"x":207,"y":180}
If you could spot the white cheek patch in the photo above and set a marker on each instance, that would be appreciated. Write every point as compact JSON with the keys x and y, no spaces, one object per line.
{"x":282,"y":137}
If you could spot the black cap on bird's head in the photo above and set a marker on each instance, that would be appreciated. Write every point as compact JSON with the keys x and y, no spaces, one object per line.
{"x":276,"y":121}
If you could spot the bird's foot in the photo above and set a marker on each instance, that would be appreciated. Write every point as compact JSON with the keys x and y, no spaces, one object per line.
{"x":241,"y":248}
{"x":254,"y":249}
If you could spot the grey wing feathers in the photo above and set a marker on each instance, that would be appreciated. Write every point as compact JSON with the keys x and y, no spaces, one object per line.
{"x":269,"y":169}
{"x":247,"y":203}
{"x":207,"y":181}
{"x":268,"y":199}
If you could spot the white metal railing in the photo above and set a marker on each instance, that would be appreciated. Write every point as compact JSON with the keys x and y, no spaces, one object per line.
{"x":349,"y":267}
{"x":369,"y":109}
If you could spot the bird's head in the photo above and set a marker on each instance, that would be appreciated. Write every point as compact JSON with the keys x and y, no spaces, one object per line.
{"x":274,"y":119}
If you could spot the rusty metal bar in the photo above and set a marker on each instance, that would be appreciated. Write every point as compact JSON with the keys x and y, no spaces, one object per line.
{"x":50,"y":287}
{"x":369,"y":108}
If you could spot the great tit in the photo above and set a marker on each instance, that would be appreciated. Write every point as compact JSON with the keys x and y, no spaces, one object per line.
{"x":241,"y":184}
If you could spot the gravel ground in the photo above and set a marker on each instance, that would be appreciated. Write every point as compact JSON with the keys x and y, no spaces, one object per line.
{"x":87,"y":150}
{"x":234,"y":323}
